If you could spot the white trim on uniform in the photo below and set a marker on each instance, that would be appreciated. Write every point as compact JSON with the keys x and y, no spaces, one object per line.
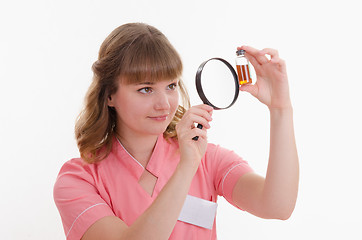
{"x":82,"y":214}
{"x":129,"y":153}
{"x":222,"y":185}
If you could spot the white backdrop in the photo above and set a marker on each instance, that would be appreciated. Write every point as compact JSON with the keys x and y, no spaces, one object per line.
{"x":46,"y":52}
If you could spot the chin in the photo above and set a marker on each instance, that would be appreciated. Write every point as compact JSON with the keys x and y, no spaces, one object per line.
{"x":155,"y":130}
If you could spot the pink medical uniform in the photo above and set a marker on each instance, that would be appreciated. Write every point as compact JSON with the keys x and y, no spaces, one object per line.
{"x":85,"y":193}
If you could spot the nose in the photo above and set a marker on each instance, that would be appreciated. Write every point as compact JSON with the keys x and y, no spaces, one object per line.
{"x":162,"y":101}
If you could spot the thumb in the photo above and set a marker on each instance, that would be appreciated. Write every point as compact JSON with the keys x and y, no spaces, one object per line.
{"x":252,"y":89}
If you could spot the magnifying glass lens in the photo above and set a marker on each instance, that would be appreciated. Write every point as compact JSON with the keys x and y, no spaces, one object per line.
{"x":218,"y":83}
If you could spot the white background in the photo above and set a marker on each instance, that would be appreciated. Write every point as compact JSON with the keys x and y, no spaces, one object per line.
{"x":46,"y":52}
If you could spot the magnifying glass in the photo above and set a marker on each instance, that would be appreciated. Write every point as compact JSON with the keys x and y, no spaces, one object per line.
{"x":217,"y":84}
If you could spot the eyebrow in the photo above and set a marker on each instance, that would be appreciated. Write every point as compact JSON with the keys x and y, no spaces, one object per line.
{"x":153,"y":83}
{"x":145,"y":83}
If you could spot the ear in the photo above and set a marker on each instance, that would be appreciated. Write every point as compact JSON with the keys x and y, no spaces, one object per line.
{"x":110,"y":101}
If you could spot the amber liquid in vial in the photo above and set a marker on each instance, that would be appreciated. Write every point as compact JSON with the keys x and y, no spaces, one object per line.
{"x":243,"y":74}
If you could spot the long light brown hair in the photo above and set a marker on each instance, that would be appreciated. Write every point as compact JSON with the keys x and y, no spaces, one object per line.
{"x":134,"y":52}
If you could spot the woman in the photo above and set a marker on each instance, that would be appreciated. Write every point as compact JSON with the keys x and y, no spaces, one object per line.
{"x":140,"y":172}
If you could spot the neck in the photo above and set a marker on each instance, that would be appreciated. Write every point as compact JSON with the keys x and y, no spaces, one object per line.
{"x":140,"y":147}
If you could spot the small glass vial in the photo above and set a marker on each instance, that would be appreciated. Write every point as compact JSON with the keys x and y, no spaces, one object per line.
{"x":242,"y":67}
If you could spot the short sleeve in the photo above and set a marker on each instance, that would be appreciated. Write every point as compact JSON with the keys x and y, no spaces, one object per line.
{"x":227,"y":168}
{"x":77,"y":199}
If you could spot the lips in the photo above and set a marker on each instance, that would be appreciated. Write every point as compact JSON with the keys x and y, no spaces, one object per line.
{"x":159,"y":117}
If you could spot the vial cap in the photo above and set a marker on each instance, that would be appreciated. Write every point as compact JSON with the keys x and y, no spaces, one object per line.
{"x":240,"y":52}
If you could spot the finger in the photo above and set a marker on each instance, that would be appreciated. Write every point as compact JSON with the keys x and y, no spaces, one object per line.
{"x":253,"y":62}
{"x":200,"y":120}
{"x":200,"y":133}
{"x":201,"y":111}
{"x":192,"y":120}
{"x":252,"y":89}
{"x":278,"y":61}
{"x":196,"y":132}
{"x":205,"y":107}
{"x":261,"y":58}
{"x":270,"y":51}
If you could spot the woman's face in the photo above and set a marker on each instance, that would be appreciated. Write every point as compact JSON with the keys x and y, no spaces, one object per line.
{"x":145,"y":108}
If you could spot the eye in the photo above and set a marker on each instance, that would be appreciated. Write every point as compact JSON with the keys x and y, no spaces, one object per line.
{"x":172,"y":86}
{"x":145,"y":90}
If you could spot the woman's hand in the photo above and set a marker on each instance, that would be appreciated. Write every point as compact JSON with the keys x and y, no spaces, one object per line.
{"x":192,"y":151}
{"x":271,"y":87}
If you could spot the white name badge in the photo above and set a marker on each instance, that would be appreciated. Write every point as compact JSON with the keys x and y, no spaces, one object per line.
{"x":198,"y":211}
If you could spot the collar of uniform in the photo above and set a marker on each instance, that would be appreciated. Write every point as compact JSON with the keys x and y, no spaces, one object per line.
{"x":154,"y":164}
{"x":126,"y":159}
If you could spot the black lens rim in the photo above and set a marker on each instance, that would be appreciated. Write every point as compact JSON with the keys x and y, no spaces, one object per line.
{"x":200,"y":91}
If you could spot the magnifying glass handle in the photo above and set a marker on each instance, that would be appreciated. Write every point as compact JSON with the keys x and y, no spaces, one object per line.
{"x":197,"y":137}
